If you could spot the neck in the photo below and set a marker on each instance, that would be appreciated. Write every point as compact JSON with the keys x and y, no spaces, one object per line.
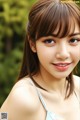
{"x":51,"y":84}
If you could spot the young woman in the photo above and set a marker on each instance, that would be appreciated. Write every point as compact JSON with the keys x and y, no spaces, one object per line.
{"x":46,"y":88}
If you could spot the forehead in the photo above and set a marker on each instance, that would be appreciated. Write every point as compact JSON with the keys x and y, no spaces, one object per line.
{"x":77,"y":29}
{"x":60,"y":19}
{"x":74,"y":28}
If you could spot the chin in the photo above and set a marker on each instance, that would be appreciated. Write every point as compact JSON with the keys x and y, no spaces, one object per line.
{"x":61,"y":76}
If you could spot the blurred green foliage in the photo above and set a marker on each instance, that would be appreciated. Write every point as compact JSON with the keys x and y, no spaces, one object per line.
{"x":13,"y":19}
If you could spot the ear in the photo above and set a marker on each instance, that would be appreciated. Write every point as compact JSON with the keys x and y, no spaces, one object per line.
{"x":32,"y":46}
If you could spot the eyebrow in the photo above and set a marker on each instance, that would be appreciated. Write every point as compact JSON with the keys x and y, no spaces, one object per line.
{"x":70,"y":35}
{"x":73,"y":34}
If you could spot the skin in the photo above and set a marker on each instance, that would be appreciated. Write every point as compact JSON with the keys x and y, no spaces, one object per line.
{"x":23,"y":102}
{"x":64,"y":50}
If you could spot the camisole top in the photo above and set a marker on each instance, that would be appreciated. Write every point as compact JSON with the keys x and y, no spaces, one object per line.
{"x":49,"y":115}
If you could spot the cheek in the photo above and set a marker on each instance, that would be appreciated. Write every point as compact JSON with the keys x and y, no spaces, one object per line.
{"x":45,"y":53}
{"x":76,"y":53}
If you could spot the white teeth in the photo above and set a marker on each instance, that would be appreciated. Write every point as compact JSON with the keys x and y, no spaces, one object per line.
{"x":61,"y":65}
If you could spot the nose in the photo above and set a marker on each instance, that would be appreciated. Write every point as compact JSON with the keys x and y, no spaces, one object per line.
{"x":62,"y":52}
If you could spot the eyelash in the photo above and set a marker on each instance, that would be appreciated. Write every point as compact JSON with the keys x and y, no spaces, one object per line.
{"x":48,"y":40}
{"x":72,"y":41}
{"x":51,"y":42}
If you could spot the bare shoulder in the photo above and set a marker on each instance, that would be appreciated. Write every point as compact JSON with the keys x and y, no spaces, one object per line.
{"x":76,"y":82}
{"x":22,"y":99}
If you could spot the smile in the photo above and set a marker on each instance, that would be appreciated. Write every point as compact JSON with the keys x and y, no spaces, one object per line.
{"x":61,"y":66}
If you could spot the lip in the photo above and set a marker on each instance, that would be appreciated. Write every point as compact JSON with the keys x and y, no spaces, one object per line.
{"x":62,"y":66}
{"x":58,"y":64}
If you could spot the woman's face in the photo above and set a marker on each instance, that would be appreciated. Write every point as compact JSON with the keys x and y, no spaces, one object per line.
{"x":58,"y":56}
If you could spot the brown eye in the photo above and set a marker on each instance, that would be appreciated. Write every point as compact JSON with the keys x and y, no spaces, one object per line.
{"x":49,"y":41}
{"x":74,"y":41}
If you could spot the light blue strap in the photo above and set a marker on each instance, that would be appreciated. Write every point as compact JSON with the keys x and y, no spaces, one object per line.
{"x":40,"y":96}
{"x":53,"y":116}
{"x":42,"y":100}
{"x":50,"y":115}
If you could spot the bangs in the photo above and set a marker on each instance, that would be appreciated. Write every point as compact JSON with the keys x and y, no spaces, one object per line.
{"x":59,"y":19}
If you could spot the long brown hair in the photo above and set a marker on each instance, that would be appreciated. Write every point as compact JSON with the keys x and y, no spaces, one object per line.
{"x":44,"y":18}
